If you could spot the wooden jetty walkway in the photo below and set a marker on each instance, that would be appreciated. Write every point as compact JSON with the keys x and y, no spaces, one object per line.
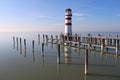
{"x":89,"y":41}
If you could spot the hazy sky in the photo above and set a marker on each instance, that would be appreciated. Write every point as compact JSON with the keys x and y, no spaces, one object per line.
{"x":48,"y":15}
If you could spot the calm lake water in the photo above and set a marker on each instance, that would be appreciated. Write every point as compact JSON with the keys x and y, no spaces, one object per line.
{"x":18,"y":63}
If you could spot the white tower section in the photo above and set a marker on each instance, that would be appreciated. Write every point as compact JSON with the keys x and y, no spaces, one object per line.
{"x":68,"y":22}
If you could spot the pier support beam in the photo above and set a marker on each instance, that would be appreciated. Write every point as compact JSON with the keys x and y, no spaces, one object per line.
{"x":117,"y":46}
{"x":86,"y":62}
{"x":58,"y":54}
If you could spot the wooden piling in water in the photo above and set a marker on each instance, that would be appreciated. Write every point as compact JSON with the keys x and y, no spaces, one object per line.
{"x":38,"y":39}
{"x":52,"y":38}
{"x":43,"y":38}
{"x":13,"y":42}
{"x":17,"y":42}
{"x":117,"y":46}
{"x":102,"y":44}
{"x":86,"y":62}
{"x":25,"y":43}
{"x":58,"y":54}
{"x":25,"y":48}
{"x":42,"y":53}
{"x":33,"y":45}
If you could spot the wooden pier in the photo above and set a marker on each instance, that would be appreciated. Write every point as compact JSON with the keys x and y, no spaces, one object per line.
{"x":89,"y":41}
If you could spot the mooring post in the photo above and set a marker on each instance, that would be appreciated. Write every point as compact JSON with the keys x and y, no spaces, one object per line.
{"x":17,"y":42}
{"x":102,"y":44}
{"x":56,"y":38}
{"x":43,"y":38}
{"x":58,"y":54}
{"x":117,"y":46}
{"x":52,"y":38}
{"x":20,"y":41}
{"x":25,"y":43}
{"x":38,"y":39}
{"x":13,"y":42}
{"x":33,"y":45}
{"x":20,"y":46}
{"x":86,"y":62}
{"x":42,"y":53}
{"x":63,"y":39}
{"x":25,"y":48}
{"x":79,"y":40}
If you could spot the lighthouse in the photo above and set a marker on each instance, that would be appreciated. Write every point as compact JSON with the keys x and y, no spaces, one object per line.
{"x":68,"y":22}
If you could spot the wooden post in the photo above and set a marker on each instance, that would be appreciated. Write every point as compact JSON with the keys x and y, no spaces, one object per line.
{"x":56,"y":38}
{"x":46,"y":38}
{"x":38,"y":39}
{"x":25,"y":43}
{"x":33,"y":45}
{"x":102,"y":44}
{"x":42,"y":53}
{"x":13,"y":42}
{"x":86,"y":62}
{"x":58,"y":54}
{"x":17,"y":42}
{"x":117,"y":46}
{"x":79,"y":40}
{"x":24,"y":47}
{"x":52,"y":38}
{"x":20,"y":46}
{"x":63,"y":39}
{"x":106,"y":41}
{"x":43,"y":38}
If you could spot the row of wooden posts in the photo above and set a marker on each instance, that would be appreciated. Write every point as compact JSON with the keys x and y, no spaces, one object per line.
{"x":87,"y":40}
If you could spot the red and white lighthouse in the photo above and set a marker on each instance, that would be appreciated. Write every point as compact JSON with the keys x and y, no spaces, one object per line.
{"x":68,"y":21}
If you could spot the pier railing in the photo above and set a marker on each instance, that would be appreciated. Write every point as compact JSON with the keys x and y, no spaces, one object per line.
{"x":89,"y":40}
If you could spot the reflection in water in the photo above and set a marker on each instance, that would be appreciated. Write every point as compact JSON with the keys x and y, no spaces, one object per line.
{"x":116,"y":60}
{"x":58,"y":72}
{"x":52,"y":45}
{"x":101,"y":56}
{"x":67,"y":54}
{"x":33,"y":56}
{"x":85,"y":77}
{"x":42,"y":61}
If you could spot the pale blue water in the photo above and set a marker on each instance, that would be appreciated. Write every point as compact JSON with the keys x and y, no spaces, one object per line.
{"x":16,"y":64}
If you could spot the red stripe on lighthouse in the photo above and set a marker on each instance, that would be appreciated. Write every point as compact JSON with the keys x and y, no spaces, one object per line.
{"x":68,"y":23}
{"x":68,"y":18}
{"x":68,"y":15}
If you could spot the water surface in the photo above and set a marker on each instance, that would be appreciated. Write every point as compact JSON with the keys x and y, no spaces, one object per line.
{"x":18,"y":63}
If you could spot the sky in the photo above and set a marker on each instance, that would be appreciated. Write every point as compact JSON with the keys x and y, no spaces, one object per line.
{"x":49,"y":15}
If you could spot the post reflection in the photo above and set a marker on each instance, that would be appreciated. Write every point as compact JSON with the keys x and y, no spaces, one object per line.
{"x":85,"y":77}
{"x":58,"y":72}
{"x":101,"y":56}
{"x":42,"y":61}
{"x":67,"y":55}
